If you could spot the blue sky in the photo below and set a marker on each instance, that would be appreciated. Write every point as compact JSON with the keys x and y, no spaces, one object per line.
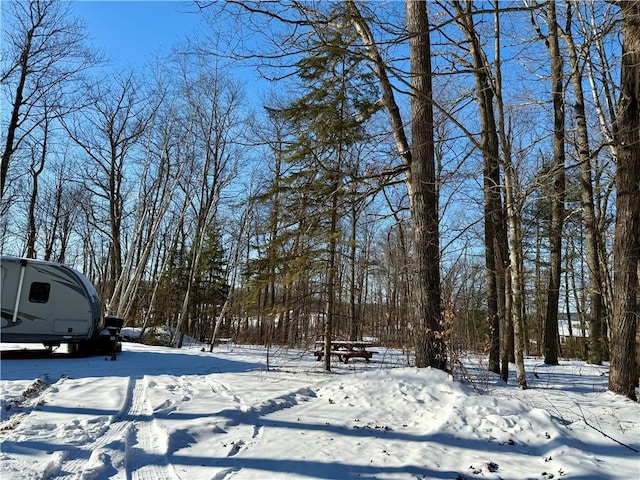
{"x":130,"y":33}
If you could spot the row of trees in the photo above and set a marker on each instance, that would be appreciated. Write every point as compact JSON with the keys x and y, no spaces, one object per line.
{"x":439,"y":179}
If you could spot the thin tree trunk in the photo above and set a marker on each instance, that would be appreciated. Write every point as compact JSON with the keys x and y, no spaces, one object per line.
{"x":595,"y":286}
{"x":514,"y":282}
{"x":18,"y":99}
{"x":353,"y":314}
{"x":32,"y":230}
{"x":498,"y":284}
{"x":57,"y":207}
{"x":330,"y":309}
{"x":232,"y":271}
{"x":116,"y":205}
{"x":515,"y":256}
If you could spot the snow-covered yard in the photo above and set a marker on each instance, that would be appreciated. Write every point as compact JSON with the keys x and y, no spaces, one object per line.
{"x":159,"y":413}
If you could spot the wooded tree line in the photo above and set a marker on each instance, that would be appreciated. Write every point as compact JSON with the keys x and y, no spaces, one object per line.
{"x":441,"y":177}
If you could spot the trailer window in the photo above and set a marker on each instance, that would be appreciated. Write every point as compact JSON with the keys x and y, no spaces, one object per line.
{"x":39,"y":292}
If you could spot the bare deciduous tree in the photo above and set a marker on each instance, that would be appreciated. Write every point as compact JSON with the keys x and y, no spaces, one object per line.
{"x":212,"y":122}
{"x":107,"y":132}
{"x":592,"y":234}
{"x":551,"y":339}
{"x":43,"y":51}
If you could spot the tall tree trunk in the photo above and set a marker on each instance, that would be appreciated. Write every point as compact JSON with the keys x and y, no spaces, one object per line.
{"x":420,"y":181}
{"x":557,"y":199}
{"x":596,"y":287}
{"x":514,"y":274}
{"x":498,"y":281}
{"x":423,"y":194}
{"x":600,"y":76}
{"x":154,"y":211}
{"x":623,"y":377}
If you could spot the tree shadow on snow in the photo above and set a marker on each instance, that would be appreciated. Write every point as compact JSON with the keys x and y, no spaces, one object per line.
{"x":20,"y":365}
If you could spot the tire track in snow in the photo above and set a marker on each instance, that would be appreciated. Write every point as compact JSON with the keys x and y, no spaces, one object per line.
{"x":132,"y":441}
{"x":104,"y":453}
{"x":86,"y":461}
{"x":15,"y":410}
{"x":146,"y":444}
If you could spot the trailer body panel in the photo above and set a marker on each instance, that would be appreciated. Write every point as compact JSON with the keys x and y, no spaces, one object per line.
{"x":46,"y":302}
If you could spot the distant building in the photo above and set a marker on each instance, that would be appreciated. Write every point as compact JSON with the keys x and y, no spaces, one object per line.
{"x":578,"y":329}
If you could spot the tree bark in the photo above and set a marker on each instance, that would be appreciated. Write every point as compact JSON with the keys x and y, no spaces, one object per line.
{"x":623,"y":377}
{"x":420,"y":180}
{"x":515,"y":269}
{"x":557,"y":200}
{"x":423,"y":195}
{"x":498,"y":281}
{"x":596,"y":287}
{"x":514,"y":282}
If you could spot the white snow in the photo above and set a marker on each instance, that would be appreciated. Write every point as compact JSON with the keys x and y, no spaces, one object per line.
{"x":159,"y":413}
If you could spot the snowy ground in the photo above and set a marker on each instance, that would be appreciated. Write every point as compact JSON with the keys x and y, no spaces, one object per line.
{"x":159,"y":413}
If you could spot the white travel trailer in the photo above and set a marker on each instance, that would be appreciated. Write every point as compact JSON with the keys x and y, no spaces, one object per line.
{"x":50,"y":303}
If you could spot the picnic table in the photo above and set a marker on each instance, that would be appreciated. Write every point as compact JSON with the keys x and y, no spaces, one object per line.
{"x":346,"y":349}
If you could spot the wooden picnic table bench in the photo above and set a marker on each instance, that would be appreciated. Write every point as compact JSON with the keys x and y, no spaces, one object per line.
{"x":345,"y":349}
